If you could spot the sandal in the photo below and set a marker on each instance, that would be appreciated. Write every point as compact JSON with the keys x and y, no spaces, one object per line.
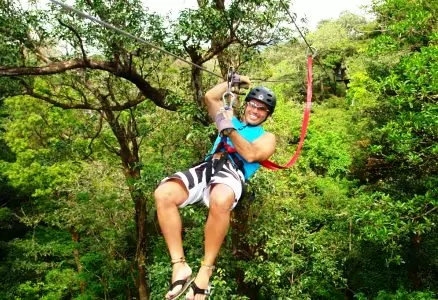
{"x":185,"y":283}
{"x":196,"y":289}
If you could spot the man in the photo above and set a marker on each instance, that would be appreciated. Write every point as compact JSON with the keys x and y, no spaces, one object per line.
{"x":218,"y":182}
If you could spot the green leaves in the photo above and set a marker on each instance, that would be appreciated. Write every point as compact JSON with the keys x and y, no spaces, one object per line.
{"x":394,"y":211}
{"x":409,"y":23}
{"x":356,"y":213}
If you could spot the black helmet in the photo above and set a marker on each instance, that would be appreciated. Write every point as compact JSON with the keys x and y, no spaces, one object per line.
{"x":264,"y":95}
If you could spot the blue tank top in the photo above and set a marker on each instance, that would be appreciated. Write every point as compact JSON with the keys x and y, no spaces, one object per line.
{"x":249,"y":133}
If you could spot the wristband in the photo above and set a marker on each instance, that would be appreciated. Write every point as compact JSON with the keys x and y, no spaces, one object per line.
{"x":227,"y":131}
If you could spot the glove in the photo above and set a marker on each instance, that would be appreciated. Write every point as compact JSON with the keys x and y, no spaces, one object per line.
{"x":223,"y":120}
{"x":235,"y":80}
{"x":238,"y":82}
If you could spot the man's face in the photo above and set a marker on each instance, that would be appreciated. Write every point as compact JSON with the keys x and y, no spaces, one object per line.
{"x":255,"y":112}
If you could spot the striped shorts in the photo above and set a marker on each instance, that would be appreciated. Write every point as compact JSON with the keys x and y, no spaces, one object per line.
{"x":195,"y":181}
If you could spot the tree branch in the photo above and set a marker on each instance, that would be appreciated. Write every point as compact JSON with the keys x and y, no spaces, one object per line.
{"x":158,"y":96}
{"x":99,"y":129}
{"x":81,"y":45}
{"x":425,"y":214}
{"x":213,"y":51}
{"x":57,"y":67}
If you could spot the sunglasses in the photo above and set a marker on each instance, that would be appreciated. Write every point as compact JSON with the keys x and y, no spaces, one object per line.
{"x":258,"y":106}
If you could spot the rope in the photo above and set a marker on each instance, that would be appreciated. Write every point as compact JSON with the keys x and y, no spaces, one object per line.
{"x":112,"y":27}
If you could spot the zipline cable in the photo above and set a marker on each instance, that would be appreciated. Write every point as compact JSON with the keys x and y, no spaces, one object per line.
{"x":112,"y":27}
{"x":296,"y":26}
{"x":125,"y":33}
{"x":303,"y":37}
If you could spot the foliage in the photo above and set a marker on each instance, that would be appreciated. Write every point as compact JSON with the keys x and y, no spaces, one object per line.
{"x":335,"y":42}
{"x":69,"y":199}
{"x":354,"y":218}
{"x":395,"y":209}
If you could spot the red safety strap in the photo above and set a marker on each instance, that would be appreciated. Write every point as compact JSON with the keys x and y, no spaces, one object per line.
{"x":224,"y":145}
{"x":273,"y":166}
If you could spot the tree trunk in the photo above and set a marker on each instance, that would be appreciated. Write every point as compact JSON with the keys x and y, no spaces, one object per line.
{"x":140,"y":255}
{"x":414,"y":272}
{"x":198,"y":95}
{"x":241,"y":250}
{"x":132,"y":175}
{"x":224,"y":64}
{"x":128,"y":153}
{"x":197,"y":86}
{"x":75,"y":238}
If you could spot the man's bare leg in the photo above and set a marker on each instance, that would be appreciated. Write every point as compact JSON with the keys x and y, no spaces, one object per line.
{"x":216,"y":228}
{"x":168,"y":196}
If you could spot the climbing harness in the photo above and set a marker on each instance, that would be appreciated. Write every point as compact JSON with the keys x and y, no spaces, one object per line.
{"x":223,"y":153}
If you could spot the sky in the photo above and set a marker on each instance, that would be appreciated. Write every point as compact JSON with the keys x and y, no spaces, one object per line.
{"x":314,"y":10}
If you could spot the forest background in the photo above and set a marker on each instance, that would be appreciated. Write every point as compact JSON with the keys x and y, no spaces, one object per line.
{"x":91,"y":121}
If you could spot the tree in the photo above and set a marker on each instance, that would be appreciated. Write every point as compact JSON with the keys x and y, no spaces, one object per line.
{"x":243,"y":25}
{"x":336,"y":41}
{"x":397,"y":211}
{"x":75,"y":202}
{"x":72,"y":63}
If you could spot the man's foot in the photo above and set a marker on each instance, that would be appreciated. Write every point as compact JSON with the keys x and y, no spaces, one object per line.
{"x":200,"y":288}
{"x":181,"y":278}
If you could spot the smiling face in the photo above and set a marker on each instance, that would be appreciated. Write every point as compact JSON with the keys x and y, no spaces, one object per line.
{"x":256,"y":112}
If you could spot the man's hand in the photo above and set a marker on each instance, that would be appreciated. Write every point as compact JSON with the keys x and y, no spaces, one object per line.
{"x":223,"y":119}
{"x":244,"y":82}
{"x":238,"y":82}
{"x":214,"y":95}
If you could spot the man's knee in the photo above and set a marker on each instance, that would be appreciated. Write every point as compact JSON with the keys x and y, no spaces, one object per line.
{"x":221,"y":198}
{"x":171,"y":192}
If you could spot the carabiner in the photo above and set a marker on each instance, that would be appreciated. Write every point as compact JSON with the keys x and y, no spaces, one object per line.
{"x":229,"y":94}
{"x":230,"y":75}
{"x":232,"y":97}
{"x":311,"y":51}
